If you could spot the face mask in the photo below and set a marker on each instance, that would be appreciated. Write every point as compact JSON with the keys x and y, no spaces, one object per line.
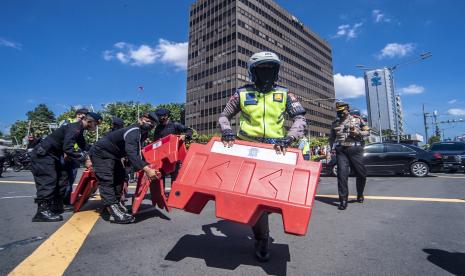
{"x":146,"y":126}
{"x":265,"y":76}
{"x":340,"y":114}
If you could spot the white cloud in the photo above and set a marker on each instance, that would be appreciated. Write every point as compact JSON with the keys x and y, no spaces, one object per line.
{"x":380,"y":17}
{"x":348,"y":31}
{"x":11,"y":44}
{"x":165,"y":52}
{"x":452,"y":101}
{"x":456,"y":111}
{"x":174,"y":53}
{"x":108,"y":55}
{"x":396,"y":50}
{"x":412,"y":89}
{"x":348,"y":86}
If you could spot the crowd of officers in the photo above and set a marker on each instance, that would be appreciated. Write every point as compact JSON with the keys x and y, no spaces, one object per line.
{"x":263,"y":106}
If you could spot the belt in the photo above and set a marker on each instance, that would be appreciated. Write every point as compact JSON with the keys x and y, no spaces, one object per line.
{"x":349,"y":144}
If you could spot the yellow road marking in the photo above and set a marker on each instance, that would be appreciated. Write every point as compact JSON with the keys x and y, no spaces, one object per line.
{"x":54,"y":255}
{"x":401,"y":198}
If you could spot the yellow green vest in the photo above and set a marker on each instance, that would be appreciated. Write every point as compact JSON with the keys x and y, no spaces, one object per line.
{"x":262,"y":114}
{"x":306,"y":149}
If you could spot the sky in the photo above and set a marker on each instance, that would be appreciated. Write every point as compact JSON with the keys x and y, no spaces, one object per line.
{"x":67,"y":53}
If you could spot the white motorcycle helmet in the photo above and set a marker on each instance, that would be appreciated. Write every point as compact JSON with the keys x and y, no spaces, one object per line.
{"x":260,"y":58}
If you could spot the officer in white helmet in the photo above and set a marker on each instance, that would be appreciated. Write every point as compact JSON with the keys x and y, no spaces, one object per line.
{"x":263,"y":105}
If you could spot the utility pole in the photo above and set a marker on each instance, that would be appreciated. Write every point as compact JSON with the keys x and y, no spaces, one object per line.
{"x":436,"y":125}
{"x":425,"y":115}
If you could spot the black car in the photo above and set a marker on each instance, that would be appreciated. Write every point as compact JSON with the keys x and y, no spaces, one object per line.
{"x":393,"y":159}
{"x":453,"y":154}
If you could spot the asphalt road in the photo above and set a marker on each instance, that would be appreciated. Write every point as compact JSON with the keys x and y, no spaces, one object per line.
{"x":410,"y":235}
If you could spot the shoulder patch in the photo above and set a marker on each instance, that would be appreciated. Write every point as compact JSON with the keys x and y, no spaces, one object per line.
{"x":278,"y":97}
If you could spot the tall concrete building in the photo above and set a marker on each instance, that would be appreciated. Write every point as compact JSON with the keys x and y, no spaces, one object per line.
{"x":223,"y":34}
{"x":382,"y":105}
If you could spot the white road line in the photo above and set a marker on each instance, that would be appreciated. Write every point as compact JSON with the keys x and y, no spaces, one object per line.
{"x":10,"y":197}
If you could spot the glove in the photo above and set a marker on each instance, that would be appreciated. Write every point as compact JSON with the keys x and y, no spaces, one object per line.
{"x":282,"y":144}
{"x":228,"y":137}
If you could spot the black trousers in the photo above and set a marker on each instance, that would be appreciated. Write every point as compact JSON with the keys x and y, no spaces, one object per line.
{"x":50,"y":176}
{"x":261,"y":229}
{"x":110,"y":174}
{"x":350,"y":158}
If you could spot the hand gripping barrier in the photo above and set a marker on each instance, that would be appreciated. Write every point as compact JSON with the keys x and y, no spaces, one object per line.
{"x":162,"y":155}
{"x":246,"y":180}
{"x":86,"y":186}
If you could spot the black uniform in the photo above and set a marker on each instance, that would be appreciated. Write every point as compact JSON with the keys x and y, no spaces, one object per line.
{"x":106,"y":157}
{"x":171,"y":128}
{"x":349,"y":153}
{"x":49,"y":172}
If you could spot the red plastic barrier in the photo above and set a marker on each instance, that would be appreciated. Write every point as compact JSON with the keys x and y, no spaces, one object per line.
{"x":165,"y":153}
{"x":163,"y":156}
{"x":246,"y":180}
{"x":86,"y":186}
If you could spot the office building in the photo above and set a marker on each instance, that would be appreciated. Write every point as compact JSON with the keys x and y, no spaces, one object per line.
{"x":381,"y":100}
{"x":222,"y":37}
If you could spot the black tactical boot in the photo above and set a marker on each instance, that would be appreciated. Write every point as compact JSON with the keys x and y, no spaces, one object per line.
{"x":262,"y":252}
{"x":342,"y":204}
{"x":44,"y":214}
{"x":118,"y":216}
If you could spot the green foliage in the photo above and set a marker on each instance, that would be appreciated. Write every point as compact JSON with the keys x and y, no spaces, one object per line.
{"x":67,"y":115}
{"x":319,"y":141}
{"x":18,"y":131}
{"x":201,"y":138}
{"x":41,"y":118}
{"x":387,"y":132}
{"x":434,"y":139}
{"x":1,"y":134}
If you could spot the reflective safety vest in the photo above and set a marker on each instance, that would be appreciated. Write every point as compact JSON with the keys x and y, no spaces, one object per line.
{"x":306,"y":146}
{"x":262,"y":114}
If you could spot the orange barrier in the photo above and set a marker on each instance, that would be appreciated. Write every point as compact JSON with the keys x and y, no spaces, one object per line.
{"x":246,"y":180}
{"x":162,"y":155}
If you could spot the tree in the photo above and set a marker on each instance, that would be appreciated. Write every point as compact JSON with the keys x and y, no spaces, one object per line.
{"x":387,"y":132}
{"x":41,"y":118}
{"x":1,"y":134}
{"x":434,"y":139}
{"x":18,"y":131}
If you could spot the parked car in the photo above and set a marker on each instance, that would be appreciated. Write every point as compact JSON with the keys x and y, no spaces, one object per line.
{"x":393,"y":159}
{"x":453,"y":154}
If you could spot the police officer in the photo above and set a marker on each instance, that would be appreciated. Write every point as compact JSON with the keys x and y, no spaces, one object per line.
{"x":167,"y":127}
{"x":72,"y":165}
{"x":106,"y":157}
{"x":50,"y":174}
{"x":263,"y":104}
{"x":116,"y":123}
{"x":347,"y":140}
